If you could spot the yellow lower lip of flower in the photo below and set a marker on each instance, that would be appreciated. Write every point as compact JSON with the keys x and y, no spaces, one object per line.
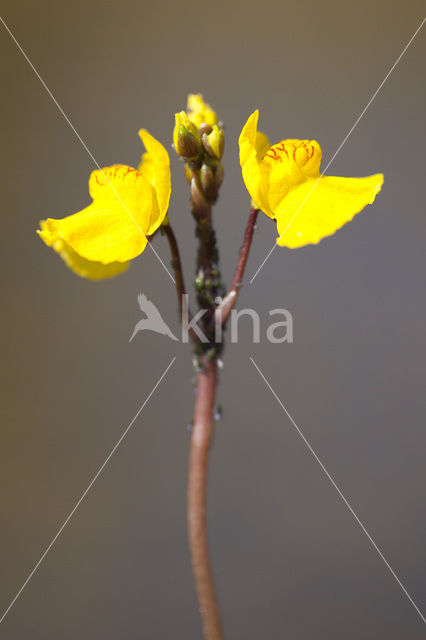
{"x":318,"y":208}
{"x":82,"y":267}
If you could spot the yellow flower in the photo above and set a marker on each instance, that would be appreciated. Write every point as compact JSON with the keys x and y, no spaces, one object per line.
{"x":128,"y":206}
{"x":199,"y":112}
{"x":285,"y":183}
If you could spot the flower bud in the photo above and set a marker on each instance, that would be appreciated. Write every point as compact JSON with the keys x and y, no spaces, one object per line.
{"x":206,"y":177}
{"x":200,"y":204}
{"x":211,"y":177}
{"x":204,"y":128}
{"x":219,"y":175}
{"x":186,"y":137}
{"x":188,"y":173}
{"x":214,"y":141}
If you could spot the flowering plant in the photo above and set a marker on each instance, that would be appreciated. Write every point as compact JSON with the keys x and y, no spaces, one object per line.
{"x":129,"y":210}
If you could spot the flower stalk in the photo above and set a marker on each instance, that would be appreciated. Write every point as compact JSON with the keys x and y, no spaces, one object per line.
{"x":176,"y":264}
{"x":228,"y":303}
{"x":197,"y":487}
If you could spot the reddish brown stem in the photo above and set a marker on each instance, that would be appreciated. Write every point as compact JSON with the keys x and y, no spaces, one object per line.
{"x":197,"y":482}
{"x":176,"y":264}
{"x":178,"y":274}
{"x":224,"y":309}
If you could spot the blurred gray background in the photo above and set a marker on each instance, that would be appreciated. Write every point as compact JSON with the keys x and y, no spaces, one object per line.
{"x":290,"y":560}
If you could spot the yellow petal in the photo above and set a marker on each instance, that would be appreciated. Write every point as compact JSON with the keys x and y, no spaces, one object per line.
{"x":155,"y":167}
{"x":287,"y":164}
{"x":252,"y":145}
{"x":318,"y":207}
{"x":199,"y":112}
{"x":216,"y":140}
{"x":82,"y":267}
{"x":114,"y":227}
{"x":262,"y":144}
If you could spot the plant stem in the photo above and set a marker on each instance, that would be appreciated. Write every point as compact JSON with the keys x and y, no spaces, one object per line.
{"x":197,"y":483}
{"x":228,"y":303}
{"x":176,"y":264}
{"x":179,"y":281}
{"x":208,"y":281}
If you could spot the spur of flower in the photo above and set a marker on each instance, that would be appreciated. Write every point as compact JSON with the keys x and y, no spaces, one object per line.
{"x":128,"y":206}
{"x":284,"y":182}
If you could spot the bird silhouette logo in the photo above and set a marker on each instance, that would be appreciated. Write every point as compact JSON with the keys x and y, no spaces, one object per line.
{"x":153,"y":320}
